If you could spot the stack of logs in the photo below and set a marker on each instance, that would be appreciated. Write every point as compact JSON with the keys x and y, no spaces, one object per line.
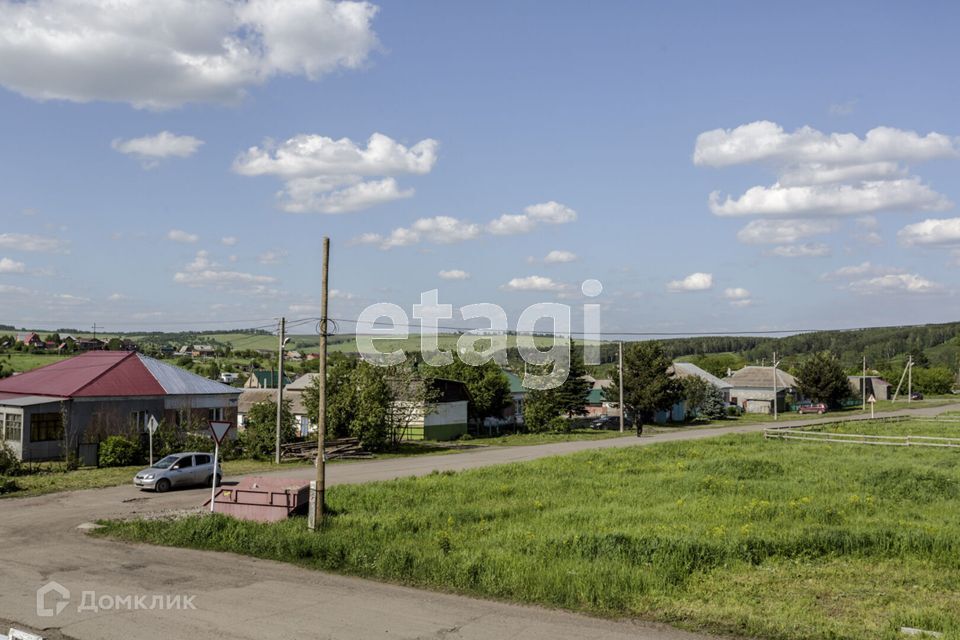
{"x":341,"y":448}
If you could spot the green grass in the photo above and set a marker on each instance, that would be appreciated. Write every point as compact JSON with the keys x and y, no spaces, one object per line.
{"x":736,"y":534}
{"x":47,"y":478}
{"x":21,"y":362}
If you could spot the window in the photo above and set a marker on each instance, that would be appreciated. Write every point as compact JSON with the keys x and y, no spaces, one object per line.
{"x":202,"y":459}
{"x":139,"y":419}
{"x":13,"y":427}
{"x":215,"y":415}
{"x":185,"y":462}
{"x":45,"y":427}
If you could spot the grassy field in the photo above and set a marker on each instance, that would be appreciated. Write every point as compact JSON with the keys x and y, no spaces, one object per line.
{"x":735,"y":534}
{"x":21,"y":362}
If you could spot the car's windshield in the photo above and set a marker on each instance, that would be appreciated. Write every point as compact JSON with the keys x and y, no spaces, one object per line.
{"x":166,"y":462}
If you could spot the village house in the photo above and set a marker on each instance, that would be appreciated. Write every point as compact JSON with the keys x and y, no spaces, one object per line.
{"x":752,"y":389}
{"x":876,"y":386}
{"x":71,"y":405}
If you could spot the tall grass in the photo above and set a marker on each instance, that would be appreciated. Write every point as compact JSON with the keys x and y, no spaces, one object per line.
{"x":706,"y":534}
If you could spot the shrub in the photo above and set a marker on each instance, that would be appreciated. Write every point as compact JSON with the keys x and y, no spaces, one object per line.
{"x":8,"y":485}
{"x":118,"y":451}
{"x":9,"y":462}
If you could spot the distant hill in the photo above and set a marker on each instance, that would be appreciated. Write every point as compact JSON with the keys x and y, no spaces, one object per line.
{"x":884,"y":347}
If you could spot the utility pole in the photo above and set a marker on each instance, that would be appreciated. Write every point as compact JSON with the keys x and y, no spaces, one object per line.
{"x":283,"y":329}
{"x":320,"y":483}
{"x":620,"y":366}
{"x":776,"y":363}
{"x":863,"y":383}
{"x":95,"y":330}
{"x":910,"y":380}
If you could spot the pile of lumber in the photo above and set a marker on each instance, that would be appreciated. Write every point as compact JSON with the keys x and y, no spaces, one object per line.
{"x":342,"y":448}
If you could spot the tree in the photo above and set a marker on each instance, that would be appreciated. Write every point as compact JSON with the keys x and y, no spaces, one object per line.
{"x":571,"y":396}
{"x":114,"y":344}
{"x":933,"y":381}
{"x":821,"y":378}
{"x":541,"y":412}
{"x":703,"y":399}
{"x":259,"y":437}
{"x":920,"y":359}
{"x":647,"y":384}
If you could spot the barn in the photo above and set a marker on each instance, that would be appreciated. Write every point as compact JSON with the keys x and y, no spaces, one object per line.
{"x":64,"y":406}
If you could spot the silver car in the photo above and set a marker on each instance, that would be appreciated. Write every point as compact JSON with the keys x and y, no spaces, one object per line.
{"x":178,"y":470}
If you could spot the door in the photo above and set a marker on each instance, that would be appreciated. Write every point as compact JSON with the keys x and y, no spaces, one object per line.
{"x":183,"y":473}
{"x":204,"y":465}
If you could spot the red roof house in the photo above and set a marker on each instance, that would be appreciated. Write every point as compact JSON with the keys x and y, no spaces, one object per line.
{"x":99,"y":393}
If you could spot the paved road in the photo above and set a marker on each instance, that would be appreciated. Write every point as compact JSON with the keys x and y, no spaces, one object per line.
{"x":239,"y":597}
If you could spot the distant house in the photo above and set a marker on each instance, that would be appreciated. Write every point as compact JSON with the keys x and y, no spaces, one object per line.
{"x":293,"y":355}
{"x":876,"y":386}
{"x":203,"y":351}
{"x":518,"y":394}
{"x":596,"y":404}
{"x":167,"y":350}
{"x":90,"y":344}
{"x":30,"y":339}
{"x":250,"y":397}
{"x":76,"y":402}
{"x":447,"y":419}
{"x":264,"y":379}
{"x":752,"y":389}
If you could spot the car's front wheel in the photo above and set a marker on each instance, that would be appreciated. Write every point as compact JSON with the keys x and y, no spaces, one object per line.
{"x":209,"y":481}
{"x":162,"y":486}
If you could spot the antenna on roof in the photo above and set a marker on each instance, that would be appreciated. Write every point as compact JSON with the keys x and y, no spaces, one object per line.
{"x":95,"y":330}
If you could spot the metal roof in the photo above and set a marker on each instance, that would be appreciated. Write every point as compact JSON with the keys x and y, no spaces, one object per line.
{"x":29,"y":401}
{"x":686,"y":369}
{"x":761,"y":377}
{"x":302,"y":383}
{"x":110,"y":374}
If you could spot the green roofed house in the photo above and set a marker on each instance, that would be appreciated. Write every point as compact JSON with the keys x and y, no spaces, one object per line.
{"x":264,"y":379}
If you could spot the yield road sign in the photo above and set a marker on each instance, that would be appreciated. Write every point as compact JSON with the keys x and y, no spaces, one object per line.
{"x":219,"y":430}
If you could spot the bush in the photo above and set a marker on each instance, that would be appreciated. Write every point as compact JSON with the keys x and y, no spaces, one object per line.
{"x":9,"y":462}
{"x":118,"y":451}
{"x":8,"y":485}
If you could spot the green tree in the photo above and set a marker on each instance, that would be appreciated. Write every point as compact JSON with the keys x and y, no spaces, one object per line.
{"x":647,"y":384}
{"x":571,"y":396}
{"x":933,"y":381}
{"x":703,"y":399}
{"x":541,"y":412}
{"x":259,"y":436}
{"x":114,"y":344}
{"x":821,"y":378}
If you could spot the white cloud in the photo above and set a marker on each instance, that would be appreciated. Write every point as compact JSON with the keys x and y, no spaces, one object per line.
{"x":69,"y":299}
{"x":10,"y":288}
{"x":28,"y":242}
{"x":179,"y":235}
{"x":11,"y":266}
{"x":557,"y":256}
{"x":150,"y":149}
{"x":736,"y":293}
{"x":229,"y":241}
{"x":163,"y":54}
{"x":116,"y":297}
{"x":438,"y":230}
{"x":202,"y":271}
{"x":843,"y":108}
{"x":694,"y":282}
{"x":820,"y":174}
{"x":807,"y":250}
{"x":858,"y":270}
{"x":895,"y":283}
{"x":324,"y":175}
{"x":454,"y":274}
{"x":546,"y":212}
{"x":271,"y":257}
{"x":831,"y":200}
{"x":783,"y":231}
{"x":534,"y":283}
{"x":931,"y":233}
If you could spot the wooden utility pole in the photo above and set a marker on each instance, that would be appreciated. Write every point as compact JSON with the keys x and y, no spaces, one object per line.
{"x":283,"y":329}
{"x":863,"y":383}
{"x":620,"y":365}
{"x":910,"y":380}
{"x":320,"y":484}
{"x":775,"y":363}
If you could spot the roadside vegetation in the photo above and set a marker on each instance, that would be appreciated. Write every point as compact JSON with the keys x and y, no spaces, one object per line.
{"x":736,"y":534}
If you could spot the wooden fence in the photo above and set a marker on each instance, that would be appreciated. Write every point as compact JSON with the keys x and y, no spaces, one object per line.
{"x":859,"y":438}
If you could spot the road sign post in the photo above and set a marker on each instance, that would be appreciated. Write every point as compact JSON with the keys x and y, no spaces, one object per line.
{"x":219,"y":431}
{"x":151,"y":427}
{"x":873,"y":401}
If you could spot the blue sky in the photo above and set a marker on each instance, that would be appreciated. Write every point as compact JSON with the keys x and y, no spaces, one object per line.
{"x":581,"y":121}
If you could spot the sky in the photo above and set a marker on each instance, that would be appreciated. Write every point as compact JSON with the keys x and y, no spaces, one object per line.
{"x":718,"y":167}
